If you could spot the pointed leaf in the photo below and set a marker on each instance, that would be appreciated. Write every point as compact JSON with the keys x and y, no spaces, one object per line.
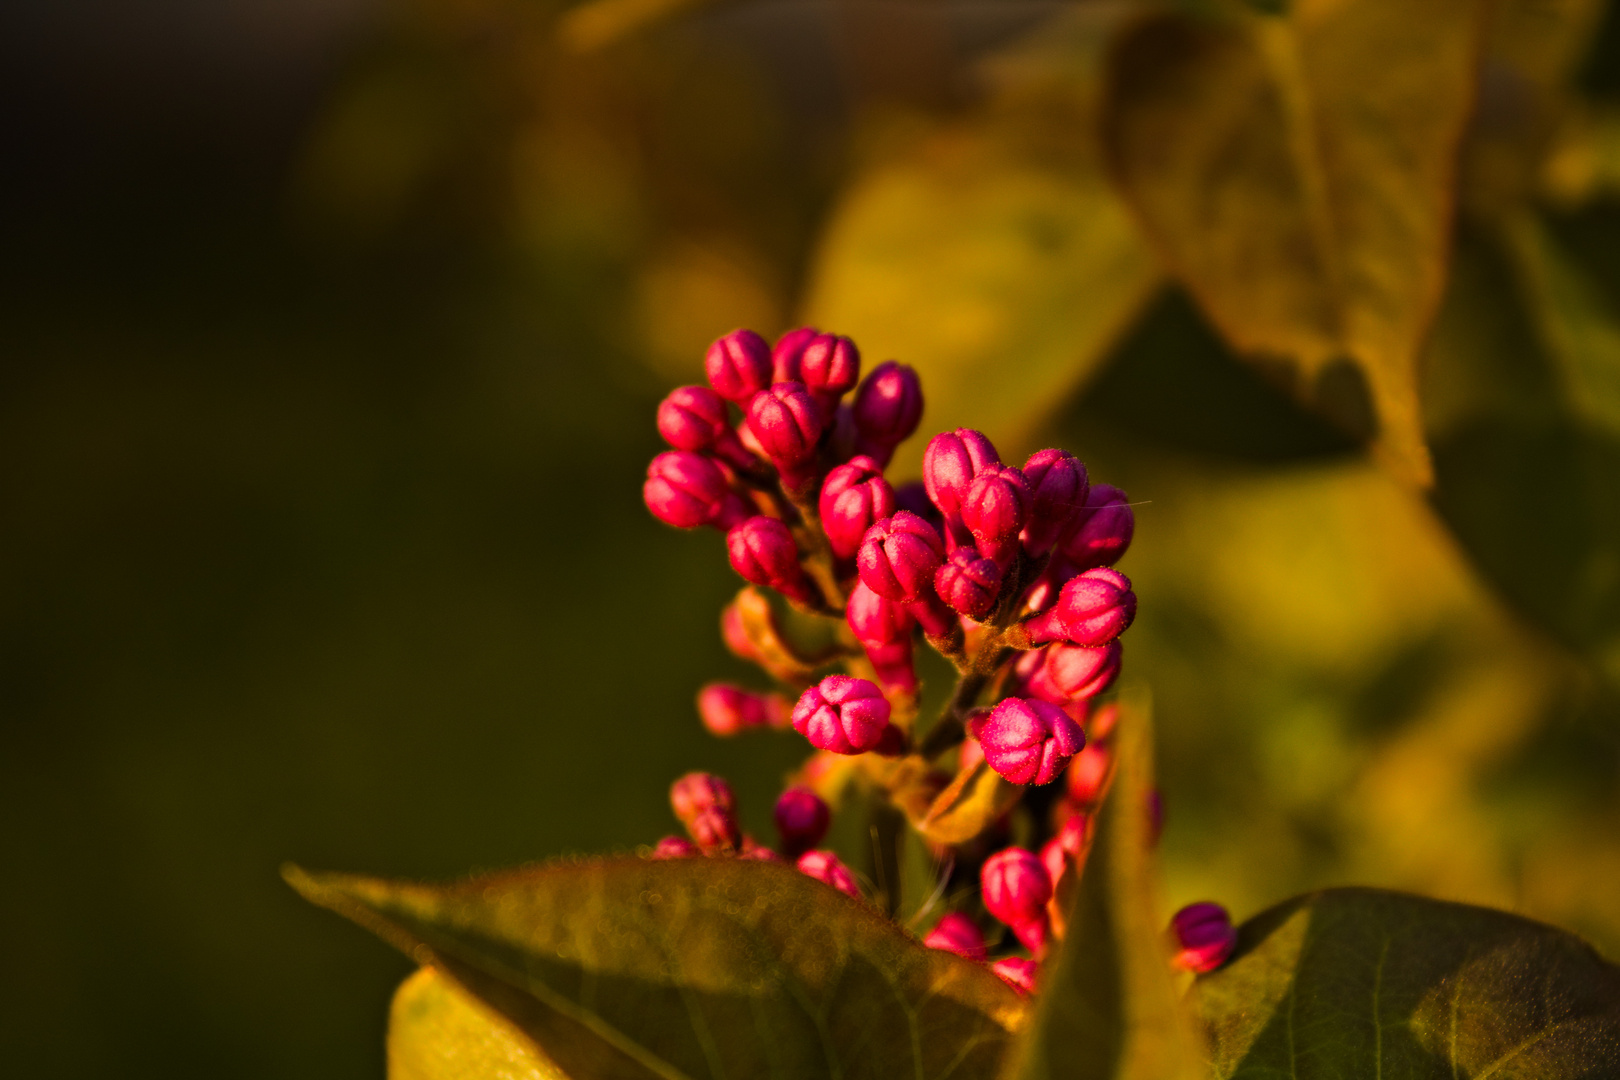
{"x":1107,"y":1007}
{"x":975,"y":799}
{"x":1297,"y":173}
{"x":693,"y":968}
{"x":437,"y":1031}
{"x":1361,"y":982}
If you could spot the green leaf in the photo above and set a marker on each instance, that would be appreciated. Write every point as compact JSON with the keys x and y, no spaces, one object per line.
{"x":1107,"y":1007}
{"x":693,"y":968}
{"x":992,"y":256}
{"x":436,"y":1031}
{"x":1298,"y":175}
{"x":974,"y":799}
{"x":1361,"y":982}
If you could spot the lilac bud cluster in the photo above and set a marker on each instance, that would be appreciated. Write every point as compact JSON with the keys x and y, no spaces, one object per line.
{"x":1007,"y":571}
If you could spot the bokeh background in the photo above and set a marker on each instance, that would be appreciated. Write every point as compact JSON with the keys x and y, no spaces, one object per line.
{"x":330,"y":337}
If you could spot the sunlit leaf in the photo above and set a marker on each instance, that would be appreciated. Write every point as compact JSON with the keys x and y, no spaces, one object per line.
{"x":695,"y":968}
{"x":1360,"y":982}
{"x":1108,"y":1008}
{"x":974,"y":799}
{"x":994,"y":257}
{"x":1297,"y":173}
{"x":437,"y":1031}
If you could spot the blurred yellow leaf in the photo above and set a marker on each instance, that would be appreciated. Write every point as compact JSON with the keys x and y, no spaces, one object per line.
{"x":1298,"y":175}
{"x":597,"y":23}
{"x":1002,"y":277}
{"x":437,"y":1031}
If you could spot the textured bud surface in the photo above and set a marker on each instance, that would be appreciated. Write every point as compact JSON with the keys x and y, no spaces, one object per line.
{"x":898,"y":557}
{"x":802,"y":819}
{"x":786,"y":422}
{"x":830,"y":366}
{"x":693,"y":418}
{"x":684,"y":489}
{"x":887,"y":408}
{"x":994,"y":509}
{"x":1104,"y":529}
{"x":956,"y":933}
{"x":854,"y":497}
{"x":1029,"y":741}
{"x":786,"y":352}
{"x":1059,"y":486}
{"x":1072,"y":673}
{"x":842,"y":714}
{"x":763,"y":552}
{"x":824,"y":866}
{"x":698,"y":791}
{"x":738,"y":366}
{"x":1094,"y":608}
{"x":968,"y":582}
{"x":1015,"y":886}
{"x":1204,"y":936}
{"x":951,"y":461}
{"x":714,"y":829}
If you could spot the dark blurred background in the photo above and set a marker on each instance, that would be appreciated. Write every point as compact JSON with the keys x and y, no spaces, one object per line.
{"x":330,"y":337}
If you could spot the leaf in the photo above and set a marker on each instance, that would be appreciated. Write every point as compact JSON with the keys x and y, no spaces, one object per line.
{"x":993,"y":257}
{"x":436,"y":1031}
{"x":596,"y":24}
{"x":1362,"y":982}
{"x":1107,"y":1006}
{"x":974,"y":799}
{"x":693,"y":968}
{"x":1297,"y":174}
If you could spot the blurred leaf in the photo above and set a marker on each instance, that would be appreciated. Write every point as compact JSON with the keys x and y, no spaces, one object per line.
{"x":1297,"y":173}
{"x":597,"y":23}
{"x":977,"y":255}
{"x":1359,"y":982}
{"x":699,"y":968}
{"x":1108,"y":1007}
{"x":436,"y":1031}
{"x":974,"y":799}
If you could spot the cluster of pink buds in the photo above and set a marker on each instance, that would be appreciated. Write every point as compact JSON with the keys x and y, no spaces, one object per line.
{"x":1007,"y":571}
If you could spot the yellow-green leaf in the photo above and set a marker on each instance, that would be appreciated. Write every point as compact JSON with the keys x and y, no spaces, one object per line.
{"x":1362,"y":982}
{"x":693,"y":968}
{"x":1107,"y":1007}
{"x":974,"y":799}
{"x":437,"y":1031}
{"x":1298,"y":174}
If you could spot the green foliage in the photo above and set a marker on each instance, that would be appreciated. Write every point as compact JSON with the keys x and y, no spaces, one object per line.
{"x":437,"y":1031}
{"x":636,"y":968}
{"x":1360,"y":982}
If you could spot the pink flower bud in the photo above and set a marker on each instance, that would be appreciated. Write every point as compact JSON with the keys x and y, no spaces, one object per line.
{"x":1088,"y":774}
{"x":763,"y":552}
{"x":693,"y":418}
{"x":1059,"y":484}
{"x":1017,"y":973}
{"x":802,"y":818}
{"x":739,"y":366}
{"x":825,"y":867}
{"x":785,"y":354}
{"x":853,"y":497}
{"x":830,"y":366}
{"x":1034,"y":933}
{"x":970,"y":754}
{"x":956,"y":933}
{"x":714,"y":829}
{"x":696,"y":792}
{"x":1204,"y":937}
{"x":898,"y":557}
{"x":1067,"y":848}
{"x":758,"y":852}
{"x":950,"y":463}
{"x":786,"y":422}
{"x":734,"y":632}
{"x":994,"y":509}
{"x":1015,"y":886}
{"x":675,"y":847}
{"x":887,"y":408}
{"x":1104,"y":529}
{"x":1029,"y":741}
{"x":968,"y":582}
{"x":884,"y":629}
{"x":1094,"y":608}
{"x":727,"y":710}
{"x":842,"y":714}
{"x":685,"y":489}
{"x":1070,"y":673}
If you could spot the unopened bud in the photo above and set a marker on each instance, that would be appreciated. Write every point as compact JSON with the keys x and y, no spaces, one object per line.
{"x":853,"y":498}
{"x":675,"y":847}
{"x":1068,"y":847}
{"x":1017,"y":973}
{"x":687,"y":489}
{"x":951,"y":461}
{"x":786,"y":422}
{"x":994,"y":509}
{"x":758,"y":852}
{"x":802,"y":819}
{"x":763,"y":552}
{"x":956,"y":933}
{"x":786,"y":352}
{"x":887,"y":408}
{"x":968,"y":582}
{"x":1067,"y":673}
{"x":898,"y":557}
{"x":1059,"y":484}
{"x":830,"y":366}
{"x":1094,"y":608}
{"x":727,"y":710}
{"x":1029,"y":741}
{"x":714,"y":830}
{"x":825,"y":867}
{"x":1089,"y":773}
{"x":739,"y":366}
{"x":1104,"y":529}
{"x":696,"y":792}
{"x":842,"y":714}
{"x":1203,"y":936}
{"x":1015,"y":886}
{"x":884,"y":630}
